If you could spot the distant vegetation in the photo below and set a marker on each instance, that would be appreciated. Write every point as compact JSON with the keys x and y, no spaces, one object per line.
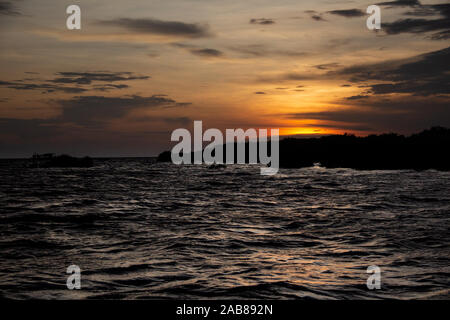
{"x":426,"y":150}
{"x":50,"y":160}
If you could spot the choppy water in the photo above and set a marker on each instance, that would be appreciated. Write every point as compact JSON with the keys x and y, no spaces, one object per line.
{"x":144,"y":230}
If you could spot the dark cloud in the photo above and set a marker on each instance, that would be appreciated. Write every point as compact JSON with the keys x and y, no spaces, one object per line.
{"x":43,"y":87}
{"x":260,"y":92}
{"x":159,"y":27}
{"x":109,"y":87}
{"x":81,"y":79}
{"x":208,"y":53}
{"x":89,"y":77}
{"x":27,"y":136}
{"x":400,"y":3}
{"x":315,"y":15}
{"x":349,"y":13}
{"x":327,"y":66}
{"x":358,"y":97}
{"x":418,"y":26}
{"x":405,"y":114}
{"x":409,"y":94}
{"x":427,"y":74}
{"x":421,"y":12}
{"x":439,"y":25}
{"x":262,"y":21}
{"x":355,"y":127}
{"x":82,"y":128}
{"x":7,"y":8}
{"x":261,"y":51}
{"x":92,"y":109}
{"x":202,"y":52}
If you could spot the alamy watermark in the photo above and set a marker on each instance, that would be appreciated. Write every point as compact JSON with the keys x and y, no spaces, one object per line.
{"x":374,"y":20}
{"x":182,"y":153}
{"x":374,"y":280}
{"x":74,"y":280}
{"x":73,"y":22}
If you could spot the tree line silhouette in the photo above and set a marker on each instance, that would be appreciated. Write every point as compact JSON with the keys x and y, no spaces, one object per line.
{"x":428,"y":149}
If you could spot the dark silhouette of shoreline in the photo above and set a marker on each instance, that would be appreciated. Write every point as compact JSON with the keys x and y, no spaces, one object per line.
{"x":428,"y":149}
{"x":50,"y":160}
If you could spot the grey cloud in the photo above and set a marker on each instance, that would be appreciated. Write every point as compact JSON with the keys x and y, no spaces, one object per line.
{"x":198,"y":51}
{"x":358,"y":97}
{"x":400,"y":3}
{"x":259,"y":50}
{"x":209,"y":53}
{"x":340,"y":126}
{"x":315,"y":15}
{"x":410,"y":114}
{"x":89,"y":77}
{"x":427,"y":74}
{"x":81,"y":79}
{"x":349,"y":13}
{"x":7,"y":8}
{"x":417,"y":26}
{"x":440,"y":25}
{"x":109,"y":87}
{"x":262,"y":21}
{"x":45,"y":88}
{"x":93,"y":109}
{"x":327,"y":66}
{"x":159,"y":27}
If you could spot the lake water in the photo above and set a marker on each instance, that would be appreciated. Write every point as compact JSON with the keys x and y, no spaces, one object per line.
{"x":142,"y":230}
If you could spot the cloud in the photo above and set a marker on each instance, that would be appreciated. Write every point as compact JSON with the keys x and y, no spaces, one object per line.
{"x":418,"y":26}
{"x":357,"y":97}
{"x":208,"y":53}
{"x":315,"y":15}
{"x":43,"y":87}
{"x":262,"y":51}
{"x":440,"y":25}
{"x":340,"y":126}
{"x":349,"y":13}
{"x":327,"y":66}
{"x":89,"y":77}
{"x":400,"y":3}
{"x":407,"y":113}
{"x":109,"y":87}
{"x":423,"y":75}
{"x":92,"y":109}
{"x":83,"y":80}
{"x":262,"y":21}
{"x":159,"y":27}
{"x":8,"y":9}
{"x":260,"y":92}
{"x":23,"y":137}
{"x":410,"y":94}
{"x":198,"y":51}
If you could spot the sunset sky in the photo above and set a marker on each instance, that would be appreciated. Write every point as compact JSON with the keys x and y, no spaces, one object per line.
{"x":137,"y":70}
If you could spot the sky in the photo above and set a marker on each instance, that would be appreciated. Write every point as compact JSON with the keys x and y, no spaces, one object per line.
{"x":137,"y":70}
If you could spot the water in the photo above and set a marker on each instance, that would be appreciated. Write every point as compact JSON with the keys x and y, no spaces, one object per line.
{"x":141,"y":230}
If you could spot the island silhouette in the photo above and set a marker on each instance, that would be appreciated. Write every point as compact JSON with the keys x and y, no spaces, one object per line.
{"x":428,"y":149}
